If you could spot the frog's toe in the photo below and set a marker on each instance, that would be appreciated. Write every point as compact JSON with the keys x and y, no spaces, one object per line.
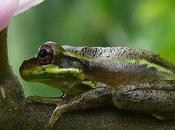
{"x":48,"y":127}
{"x":159,"y":117}
{"x":167,"y":116}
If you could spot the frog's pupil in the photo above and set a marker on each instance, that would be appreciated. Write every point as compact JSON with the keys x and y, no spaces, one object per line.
{"x":43,"y":53}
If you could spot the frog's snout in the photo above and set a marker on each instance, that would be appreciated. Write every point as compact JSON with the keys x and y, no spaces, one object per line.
{"x":28,"y":63}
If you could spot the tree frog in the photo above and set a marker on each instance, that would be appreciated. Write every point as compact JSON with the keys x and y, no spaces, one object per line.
{"x":130,"y":79}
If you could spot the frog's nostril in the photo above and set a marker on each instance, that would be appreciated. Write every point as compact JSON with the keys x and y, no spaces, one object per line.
{"x":28,"y":63}
{"x":24,"y":65}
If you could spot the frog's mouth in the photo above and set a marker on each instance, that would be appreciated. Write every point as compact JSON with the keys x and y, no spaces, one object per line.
{"x":31,"y":70}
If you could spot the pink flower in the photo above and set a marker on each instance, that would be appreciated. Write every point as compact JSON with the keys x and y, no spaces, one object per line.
{"x":10,"y":8}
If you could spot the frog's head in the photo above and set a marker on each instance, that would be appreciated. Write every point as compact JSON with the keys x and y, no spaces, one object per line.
{"x":49,"y":66}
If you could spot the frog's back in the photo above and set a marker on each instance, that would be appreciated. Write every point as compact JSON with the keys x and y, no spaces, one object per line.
{"x":113,"y":54}
{"x":119,"y":65}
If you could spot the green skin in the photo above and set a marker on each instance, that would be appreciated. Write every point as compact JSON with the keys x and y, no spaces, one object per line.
{"x":130,"y":79}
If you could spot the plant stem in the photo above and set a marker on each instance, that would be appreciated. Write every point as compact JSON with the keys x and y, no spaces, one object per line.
{"x":4,"y":64}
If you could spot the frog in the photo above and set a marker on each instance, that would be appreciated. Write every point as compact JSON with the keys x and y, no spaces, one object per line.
{"x":130,"y":79}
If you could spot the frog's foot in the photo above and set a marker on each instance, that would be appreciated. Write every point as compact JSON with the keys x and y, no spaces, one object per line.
{"x":55,"y":116}
{"x":47,"y":127}
{"x":93,"y":98}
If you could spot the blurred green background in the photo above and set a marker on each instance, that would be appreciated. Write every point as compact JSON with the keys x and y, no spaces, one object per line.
{"x":148,"y":24}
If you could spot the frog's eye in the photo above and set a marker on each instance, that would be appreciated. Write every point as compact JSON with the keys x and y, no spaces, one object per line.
{"x":45,"y":55}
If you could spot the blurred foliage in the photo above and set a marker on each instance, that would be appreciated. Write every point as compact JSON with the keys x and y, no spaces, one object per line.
{"x":148,"y":24}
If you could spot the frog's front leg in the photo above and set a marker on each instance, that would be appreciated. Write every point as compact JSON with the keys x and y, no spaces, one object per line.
{"x":155,"y":98}
{"x":93,"y":98}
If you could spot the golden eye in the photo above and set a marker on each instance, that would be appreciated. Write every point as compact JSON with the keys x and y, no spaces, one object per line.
{"x":45,"y":55}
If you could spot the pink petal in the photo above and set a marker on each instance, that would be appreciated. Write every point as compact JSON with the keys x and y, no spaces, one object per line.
{"x":7,"y":10}
{"x":26,"y":4}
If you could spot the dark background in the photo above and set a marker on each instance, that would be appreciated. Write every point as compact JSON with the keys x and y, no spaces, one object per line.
{"x":147,"y":24}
